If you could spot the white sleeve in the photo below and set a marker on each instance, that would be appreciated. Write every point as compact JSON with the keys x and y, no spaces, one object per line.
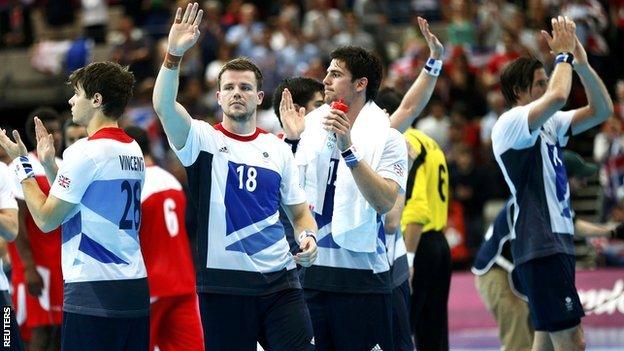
{"x":7,"y":199}
{"x":511,"y":130}
{"x":562,"y":121}
{"x":290,"y":187}
{"x":201,"y":136}
{"x":393,"y":163}
{"x":15,"y":183}
{"x":74,"y":176}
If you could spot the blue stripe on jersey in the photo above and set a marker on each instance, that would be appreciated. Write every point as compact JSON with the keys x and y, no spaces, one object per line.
{"x":381,"y":234}
{"x":242,"y":191}
{"x":561,"y":179}
{"x":112,"y":200}
{"x":71,"y":228}
{"x":328,"y":242}
{"x":97,"y":251}
{"x":259,"y":241}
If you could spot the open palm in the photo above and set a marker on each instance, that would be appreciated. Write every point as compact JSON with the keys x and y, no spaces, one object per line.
{"x":185,"y":30}
{"x":435,"y":46}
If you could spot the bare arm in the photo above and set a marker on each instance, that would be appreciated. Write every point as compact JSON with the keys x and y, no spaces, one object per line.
{"x":393,"y":217}
{"x":563,"y":40}
{"x":34,"y":282}
{"x":183,"y":35}
{"x":420,"y":92}
{"x":599,"y":105}
{"x":412,"y":235}
{"x":589,"y":229}
{"x":302,"y":220}
{"x":8,"y":224}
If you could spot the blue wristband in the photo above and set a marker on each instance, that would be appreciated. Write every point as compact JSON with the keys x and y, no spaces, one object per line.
{"x":566,"y":57}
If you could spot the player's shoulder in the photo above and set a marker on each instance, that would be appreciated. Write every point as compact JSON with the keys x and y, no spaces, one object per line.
{"x":273,"y":142}
{"x":158,"y":180}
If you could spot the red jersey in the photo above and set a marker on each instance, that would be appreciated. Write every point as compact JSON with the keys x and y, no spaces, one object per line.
{"x":45,"y":247}
{"x":164,"y":242}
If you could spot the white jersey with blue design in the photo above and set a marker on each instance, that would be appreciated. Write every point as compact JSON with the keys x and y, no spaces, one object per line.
{"x":7,"y":201}
{"x":103,"y":175}
{"x":340,"y":270}
{"x":236,"y":185}
{"x":532,"y":164}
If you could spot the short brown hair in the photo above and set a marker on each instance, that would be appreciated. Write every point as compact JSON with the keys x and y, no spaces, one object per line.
{"x":518,"y":74}
{"x":362,"y":64}
{"x":241,"y":64}
{"x":110,"y":80}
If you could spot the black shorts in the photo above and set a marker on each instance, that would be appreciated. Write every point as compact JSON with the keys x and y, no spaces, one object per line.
{"x":548,"y":283}
{"x":278,"y":321}
{"x":350,"y":322}
{"x":83,"y":332}
{"x":402,"y":329}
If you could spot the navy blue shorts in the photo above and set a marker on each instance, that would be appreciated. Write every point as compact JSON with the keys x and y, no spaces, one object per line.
{"x":83,"y":332}
{"x":11,"y":339}
{"x":400,"y":317}
{"x":279,"y":321}
{"x":548,"y":283}
{"x":351,"y":322}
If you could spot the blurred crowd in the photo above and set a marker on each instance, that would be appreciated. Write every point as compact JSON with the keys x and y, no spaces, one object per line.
{"x":293,"y":37}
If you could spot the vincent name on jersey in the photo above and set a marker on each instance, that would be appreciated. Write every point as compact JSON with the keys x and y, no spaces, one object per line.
{"x":132,"y":163}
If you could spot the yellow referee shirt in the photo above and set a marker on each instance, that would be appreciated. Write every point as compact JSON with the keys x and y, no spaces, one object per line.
{"x":427,"y":185}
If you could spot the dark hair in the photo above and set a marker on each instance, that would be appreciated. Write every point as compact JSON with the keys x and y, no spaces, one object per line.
{"x":241,"y":64}
{"x":362,"y":64}
{"x":140,"y":136}
{"x":45,"y":114}
{"x":302,"y":90}
{"x":110,"y":80}
{"x":518,"y":75}
{"x":388,"y":99}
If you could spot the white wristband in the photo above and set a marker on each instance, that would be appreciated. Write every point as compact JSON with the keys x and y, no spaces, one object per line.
{"x":410,"y":259}
{"x":23,"y":168}
{"x":307,"y":233}
{"x":433,"y":67}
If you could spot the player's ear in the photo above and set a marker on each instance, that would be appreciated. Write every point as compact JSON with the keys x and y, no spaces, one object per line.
{"x":260,"y":97}
{"x":97,"y":100}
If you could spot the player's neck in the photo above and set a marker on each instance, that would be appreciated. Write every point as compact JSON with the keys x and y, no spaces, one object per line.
{"x":149,"y":161}
{"x":354,"y":109}
{"x":242,"y":128}
{"x":98,"y":122}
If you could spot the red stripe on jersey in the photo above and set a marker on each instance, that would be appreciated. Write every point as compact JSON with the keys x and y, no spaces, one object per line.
{"x":251,"y":137}
{"x":112,"y":133}
{"x":165,"y":245}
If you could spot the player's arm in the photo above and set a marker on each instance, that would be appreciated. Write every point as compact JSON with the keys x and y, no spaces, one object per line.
{"x":599,"y":105}
{"x":305,"y":232}
{"x":588,"y":229}
{"x":563,"y":40}
{"x":45,"y":150}
{"x":419,"y":93}
{"x":8,"y":224}
{"x":392,"y":220}
{"x":381,"y":193}
{"x":47,"y":212}
{"x":183,"y":35}
{"x":34,"y":282}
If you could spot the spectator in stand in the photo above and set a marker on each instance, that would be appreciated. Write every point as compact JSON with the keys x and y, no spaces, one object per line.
{"x":321,"y":23}
{"x":242,"y":35}
{"x":15,"y":24}
{"x":436,"y":124}
{"x":461,"y":29}
{"x":353,"y":34}
{"x":95,"y":19}
{"x":609,"y":153}
{"x":133,"y":50}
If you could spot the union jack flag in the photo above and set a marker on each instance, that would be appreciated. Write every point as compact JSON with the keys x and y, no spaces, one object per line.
{"x":64,"y":181}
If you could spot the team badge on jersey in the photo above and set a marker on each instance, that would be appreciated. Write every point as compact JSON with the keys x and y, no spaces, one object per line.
{"x":64,"y":181}
{"x":398,"y":169}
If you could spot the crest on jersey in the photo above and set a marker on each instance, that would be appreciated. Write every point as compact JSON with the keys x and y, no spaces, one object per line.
{"x":398,"y":169}
{"x":265,"y":154}
{"x":63,"y":181}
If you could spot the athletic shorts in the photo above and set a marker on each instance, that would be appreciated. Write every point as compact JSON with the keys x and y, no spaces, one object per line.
{"x":46,"y":309}
{"x":351,"y":322}
{"x":175,"y":324}
{"x":278,"y":321}
{"x":82,"y":332}
{"x":548,"y":283}
{"x":400,"y":317}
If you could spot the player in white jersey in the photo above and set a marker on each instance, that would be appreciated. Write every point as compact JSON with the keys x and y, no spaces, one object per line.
{"x":527,"y":141}
{"x":96,"y":196}
{"x":8,"y":232}
{"x":238,"y":177}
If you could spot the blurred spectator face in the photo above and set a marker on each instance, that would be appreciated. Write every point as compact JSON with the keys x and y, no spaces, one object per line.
{"x":619,"y":90}
{"x":496,"y":102}
{"x":126,"y":25}
{"x":73,"y":133}
{"x":54,"y":128}
{"x":464,"y":158}
{"x":437,"y":110}
{"x":613,"y":128}
{"x":247,"y":14}
{"x":338,"y":83}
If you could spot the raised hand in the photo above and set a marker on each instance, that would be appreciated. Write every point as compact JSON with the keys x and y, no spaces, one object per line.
{"x":563,"y":37}
{"x":185,"y":29}
{"x":13,"y":149}
{"x":580,"y":56}
{"x":292,"y":119}
{"x":435,"y":46}
{"x":308,"y":253}
{"x":45,"y":143}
